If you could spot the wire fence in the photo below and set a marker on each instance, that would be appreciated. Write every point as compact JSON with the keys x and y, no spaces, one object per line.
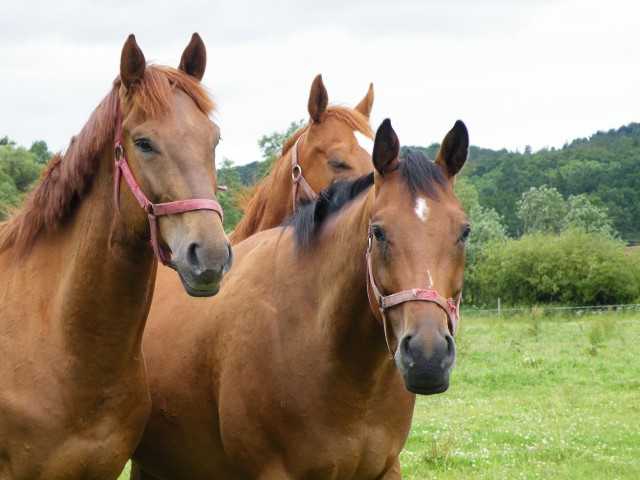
{"x":543,"y":311}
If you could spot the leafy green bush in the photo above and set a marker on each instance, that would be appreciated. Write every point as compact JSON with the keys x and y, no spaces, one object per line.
{"x":573,"y":268}
{"x":19,"y":171}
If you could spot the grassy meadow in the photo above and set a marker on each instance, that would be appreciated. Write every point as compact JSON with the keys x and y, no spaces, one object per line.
{"x":534,"y":396}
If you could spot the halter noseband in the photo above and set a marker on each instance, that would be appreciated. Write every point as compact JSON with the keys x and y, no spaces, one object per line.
{"x":298,"y":179}
{"x":451,"y":308}
{"x":157,"y":209}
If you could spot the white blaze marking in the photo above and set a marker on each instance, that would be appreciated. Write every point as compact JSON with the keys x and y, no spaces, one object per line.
{"x":364,"y":142}
{"x":430,"y":280}
{"x":422,"y":209}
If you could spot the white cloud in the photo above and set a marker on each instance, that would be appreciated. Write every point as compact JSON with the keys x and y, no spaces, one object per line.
{"x":517,"y":72}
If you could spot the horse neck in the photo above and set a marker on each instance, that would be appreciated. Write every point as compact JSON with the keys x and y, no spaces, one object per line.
{"x":347,"y":322}
{"x":271,"y":203}
{"x":108,"y":279}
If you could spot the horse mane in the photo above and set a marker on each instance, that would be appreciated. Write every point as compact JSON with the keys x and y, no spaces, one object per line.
{"x":68,"y":176}
{"x":252,"y":200}
{"x":418,"y":172}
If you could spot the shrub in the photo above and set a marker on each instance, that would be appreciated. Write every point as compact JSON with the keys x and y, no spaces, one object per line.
{"x":573,"y":268}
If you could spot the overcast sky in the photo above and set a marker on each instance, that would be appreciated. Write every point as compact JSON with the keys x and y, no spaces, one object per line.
{"x":517,"y":72}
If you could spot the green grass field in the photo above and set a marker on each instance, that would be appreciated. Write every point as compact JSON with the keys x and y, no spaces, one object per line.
{"x":534,"y":397}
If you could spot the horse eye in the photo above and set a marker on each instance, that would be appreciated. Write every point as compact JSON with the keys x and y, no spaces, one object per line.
{"x":143,"y":145}
{"x":338,"y":165}
{"x":378,"y":233}
{"x":465,"y":234}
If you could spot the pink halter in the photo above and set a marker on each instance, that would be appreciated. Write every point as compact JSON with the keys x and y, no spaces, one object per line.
{"x":153,"y":210}
{"x":451,"y":308}
{"x":298,"y":179}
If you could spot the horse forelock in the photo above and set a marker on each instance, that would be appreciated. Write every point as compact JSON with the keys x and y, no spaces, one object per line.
{"x":68,"y":176}
{"x":356,"y":120}
{"x":421,"y":174}
{"x":153,"y":96}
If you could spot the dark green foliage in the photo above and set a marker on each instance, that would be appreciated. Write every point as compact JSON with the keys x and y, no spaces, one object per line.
{"x":19,"y":171}
{"x":229,"y":176}
{"x":9,"y":194}
{"x":542,"y":210}
{"x":271,"y":145}
{"x":249,"y":173}
{"x":40,"y":149}
{"x":573,"y":268}
{"x":605,"y":168}
{"x":487,"y":230}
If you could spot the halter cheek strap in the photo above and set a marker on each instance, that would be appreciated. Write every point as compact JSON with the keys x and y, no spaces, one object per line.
{"x":157,"y":209}
{"x":298,"y":179}
{"x":384,"y":302}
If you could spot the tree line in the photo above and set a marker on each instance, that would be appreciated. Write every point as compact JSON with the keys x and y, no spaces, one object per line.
{"x":547,"y":226}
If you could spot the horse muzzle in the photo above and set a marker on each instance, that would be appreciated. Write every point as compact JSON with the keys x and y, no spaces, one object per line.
{"x":426,"y":363}
{"x":201,"y":270}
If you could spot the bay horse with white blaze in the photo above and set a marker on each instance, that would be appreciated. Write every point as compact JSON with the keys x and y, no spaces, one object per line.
{"x":322,"y":152}
{"x":78,"y":269}
{"x":286,"y":374}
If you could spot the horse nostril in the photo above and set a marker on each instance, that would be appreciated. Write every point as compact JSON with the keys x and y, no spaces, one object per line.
{"x":406,"y":349}
{"x":227,"y":265}
{"x":192,"y":256}
{"x":451,"y":346}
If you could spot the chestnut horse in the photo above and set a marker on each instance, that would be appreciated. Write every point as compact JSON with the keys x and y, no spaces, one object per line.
{"x":286,"y":374}
{"x":324,"y":151}
{"x":78,"y":270}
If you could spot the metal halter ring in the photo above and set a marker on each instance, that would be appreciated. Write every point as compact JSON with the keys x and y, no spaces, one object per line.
{"x":295,"y":176}
{"x":118,"y":153}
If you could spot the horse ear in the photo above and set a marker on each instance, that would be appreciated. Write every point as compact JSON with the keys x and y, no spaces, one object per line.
{"x":132,"y":63}
{"x":386,"y":149}
{"x":365,"y":105}
{"x":194,"y":58}
{"x":318,"y":100}
{"x":454,"y":149}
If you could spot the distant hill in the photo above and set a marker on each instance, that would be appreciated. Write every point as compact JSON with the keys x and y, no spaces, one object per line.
{"x":249,"y":173}
{"x":605,"y":167}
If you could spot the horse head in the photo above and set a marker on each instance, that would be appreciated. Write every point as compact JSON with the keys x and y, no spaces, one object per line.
{"x":416,"y":255}
{"x":169,"y":144}
{"x":327,"y":150}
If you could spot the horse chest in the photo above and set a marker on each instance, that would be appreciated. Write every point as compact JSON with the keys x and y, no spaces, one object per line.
{"x":313,"y":446}
{"x":50,"y":433}
{"x":338,"y":457}
{"x":98,"y":450}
